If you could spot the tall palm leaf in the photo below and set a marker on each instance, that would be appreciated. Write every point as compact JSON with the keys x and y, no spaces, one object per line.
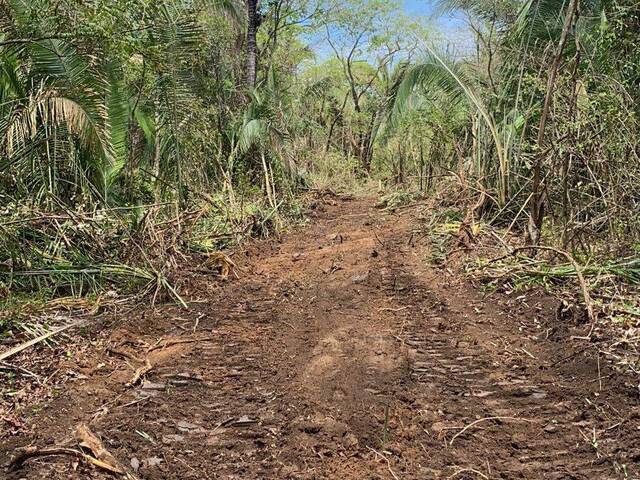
{"x":438,"y":75}
{"x":59,"y":88}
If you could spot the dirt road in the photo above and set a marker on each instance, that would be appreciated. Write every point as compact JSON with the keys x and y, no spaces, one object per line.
{"x":340,"y":354}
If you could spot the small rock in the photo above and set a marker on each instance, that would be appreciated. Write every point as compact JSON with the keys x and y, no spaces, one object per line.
{"x":153,"y":386}
{"x":519,"y":440}
{"x":551,"y":428}
{"x":350,"y":441}
{"x":179,"y":383}
{"x":333,"y":428}
{"x":172,"y":438}
{"x":135,"y":464}
{"x":360,"y":278}
{"x":482,"y":394}
{"x":146,"y":394}
{"x":152,"y":461}
{"x":184,"y":376}
{"x":308,"y":426}
{"x":185,"y":426}
{"x":438,"y":427}
{"x":243,"y":421}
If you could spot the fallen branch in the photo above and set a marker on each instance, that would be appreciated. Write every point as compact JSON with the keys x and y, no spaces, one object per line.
{"x":24,"y":371}
{"x":27,"y":453}
{"x":124,"y":354}
{"x":87,"y":440}
{"x":169,"y":343}
{"x":34,"y":341}
{"x":386,"y":460}
{"x":137,"y":376}
{"x":583,"y":284}
{"x":485,"y":420}
{"x":465,"y":470}
{"x":147,"y":367}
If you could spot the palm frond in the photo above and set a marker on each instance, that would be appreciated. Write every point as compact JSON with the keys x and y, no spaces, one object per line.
{"x":232,"y":9}
{"x":118,"y":128}
{"x":443,"y":77}
{"x":255,"y":132}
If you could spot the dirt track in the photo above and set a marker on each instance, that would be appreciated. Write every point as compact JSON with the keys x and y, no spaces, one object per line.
{"x":333,"y":339}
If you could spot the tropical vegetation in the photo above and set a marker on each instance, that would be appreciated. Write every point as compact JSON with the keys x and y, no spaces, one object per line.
{"x":136,"y":132}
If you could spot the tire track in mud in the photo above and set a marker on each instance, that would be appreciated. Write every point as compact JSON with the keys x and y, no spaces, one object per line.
{"x":340,"y":354}
{"x":491,"y":408}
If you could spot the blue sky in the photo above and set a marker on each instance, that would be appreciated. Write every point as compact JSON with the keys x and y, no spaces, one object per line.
{"x":427,"y":8}
{"x":451,"y":27}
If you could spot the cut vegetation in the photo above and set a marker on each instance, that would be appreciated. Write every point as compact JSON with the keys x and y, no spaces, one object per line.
{"x":315,"y":239}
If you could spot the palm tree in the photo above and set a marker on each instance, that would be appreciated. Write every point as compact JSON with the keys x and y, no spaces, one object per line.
{"x":252,"y":49}
{"x":438,"y":75}
{"x":52,"y":97}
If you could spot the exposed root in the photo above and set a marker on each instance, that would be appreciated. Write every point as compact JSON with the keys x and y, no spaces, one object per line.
{"x":485,"y":420}
{"x":139,"y":373}
{"x":18,"y":461}
{"x":393,"y":474}
{"x":169,"y":343}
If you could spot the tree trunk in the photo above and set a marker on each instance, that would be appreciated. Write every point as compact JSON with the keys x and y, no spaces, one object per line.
{"x":252,"y":49}
{"x":365,"y":148}
{"x":333,"y":123}
{"x":536,"y":218}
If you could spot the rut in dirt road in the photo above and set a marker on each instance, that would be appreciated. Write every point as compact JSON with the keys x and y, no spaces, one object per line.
{"x":340,"y":354}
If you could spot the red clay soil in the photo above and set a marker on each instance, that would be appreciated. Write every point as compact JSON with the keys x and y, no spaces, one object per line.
{"x":339,"y":353}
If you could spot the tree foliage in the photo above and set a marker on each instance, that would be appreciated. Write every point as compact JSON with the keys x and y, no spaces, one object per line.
{"x":116,"y":105}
